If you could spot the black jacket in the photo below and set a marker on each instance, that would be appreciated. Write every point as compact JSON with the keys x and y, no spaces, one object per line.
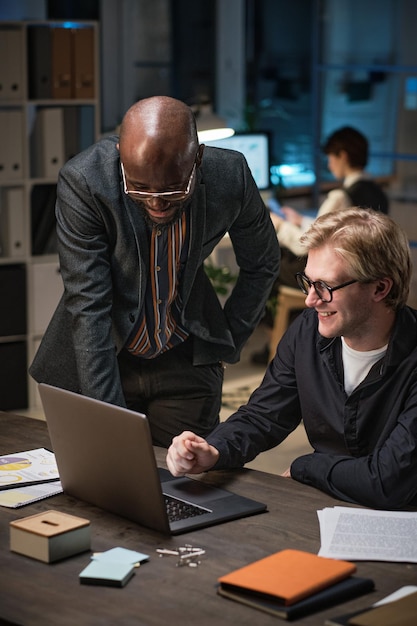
{"x":365,"y":444}
{"x":104,"y":258}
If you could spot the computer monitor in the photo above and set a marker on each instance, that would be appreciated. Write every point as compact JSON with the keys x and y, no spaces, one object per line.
{"x":255,"y":147}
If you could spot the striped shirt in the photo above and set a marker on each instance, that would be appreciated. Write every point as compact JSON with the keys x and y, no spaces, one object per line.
{"x":158,"y":327}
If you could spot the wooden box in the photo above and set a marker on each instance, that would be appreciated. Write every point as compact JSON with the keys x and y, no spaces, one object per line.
{"x":50,"y":536}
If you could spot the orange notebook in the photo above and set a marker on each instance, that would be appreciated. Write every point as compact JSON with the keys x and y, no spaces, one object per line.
{"x":288,"y":576}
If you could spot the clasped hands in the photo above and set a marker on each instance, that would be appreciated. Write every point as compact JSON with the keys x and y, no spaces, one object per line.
{"x":191,"y":454}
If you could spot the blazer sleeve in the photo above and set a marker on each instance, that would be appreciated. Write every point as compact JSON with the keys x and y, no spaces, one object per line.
{"x":257,"y":254}
{"x":83,"y":246}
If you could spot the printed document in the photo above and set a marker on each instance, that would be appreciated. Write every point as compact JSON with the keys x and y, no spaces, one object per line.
{"x":27,"y":468}
{"x":367,"y":534}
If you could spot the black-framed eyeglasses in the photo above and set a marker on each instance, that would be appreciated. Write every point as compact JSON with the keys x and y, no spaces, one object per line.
{"x":171,"y":196}
{"x":322,"y":289}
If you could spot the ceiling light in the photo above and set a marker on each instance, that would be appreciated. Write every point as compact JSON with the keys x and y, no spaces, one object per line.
{"x":210,"y":126}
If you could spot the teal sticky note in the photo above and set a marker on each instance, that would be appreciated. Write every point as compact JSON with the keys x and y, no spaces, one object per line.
{"x":107,"y":573}
{"x":121,"y":555}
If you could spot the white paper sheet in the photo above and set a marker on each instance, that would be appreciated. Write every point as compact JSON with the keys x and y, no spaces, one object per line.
{"x":14,"y":498}
{"x":366,"y":534}
{"x":29,"y":467}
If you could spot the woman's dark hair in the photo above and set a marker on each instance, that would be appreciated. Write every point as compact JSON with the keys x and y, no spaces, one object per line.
{"x":352,"y":142}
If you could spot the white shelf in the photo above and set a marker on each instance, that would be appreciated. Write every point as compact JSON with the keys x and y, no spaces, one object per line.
{"x":48,"y":113}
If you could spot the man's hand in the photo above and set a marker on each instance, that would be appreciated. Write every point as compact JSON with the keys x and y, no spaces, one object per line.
{"x":293,"y":216}
{"x":190,"y":454}
{"x":287,"y":473}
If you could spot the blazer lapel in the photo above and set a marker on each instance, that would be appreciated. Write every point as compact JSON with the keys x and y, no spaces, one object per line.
{"x":197,"y":230}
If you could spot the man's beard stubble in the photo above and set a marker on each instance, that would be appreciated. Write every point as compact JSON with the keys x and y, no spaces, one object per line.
{"x":181,"y":206}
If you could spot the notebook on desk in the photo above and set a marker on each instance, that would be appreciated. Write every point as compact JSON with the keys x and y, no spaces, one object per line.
{"x":105,"y":456}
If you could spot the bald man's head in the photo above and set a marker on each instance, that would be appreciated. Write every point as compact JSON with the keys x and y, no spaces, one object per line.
{"x":160,"y":153}
{"x":160,"y":128}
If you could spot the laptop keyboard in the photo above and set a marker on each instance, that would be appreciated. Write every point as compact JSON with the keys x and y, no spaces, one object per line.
{"x":179,"y":510}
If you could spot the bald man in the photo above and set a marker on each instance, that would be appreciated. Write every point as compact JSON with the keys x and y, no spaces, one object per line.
{"x":139,"y":324}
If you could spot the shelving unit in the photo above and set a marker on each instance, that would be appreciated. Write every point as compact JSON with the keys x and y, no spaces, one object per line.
{"x":49,"y":111}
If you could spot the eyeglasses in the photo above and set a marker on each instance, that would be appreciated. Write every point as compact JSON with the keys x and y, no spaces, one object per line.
{"x":171,"y":196}
{"x":322,"y":289}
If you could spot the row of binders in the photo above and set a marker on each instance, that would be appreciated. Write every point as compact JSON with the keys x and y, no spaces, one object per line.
{"x":60,"y":62}
{"x":13,"y":239}
{"x":56,"y":134}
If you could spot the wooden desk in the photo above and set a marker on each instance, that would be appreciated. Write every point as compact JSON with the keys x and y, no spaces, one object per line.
{"x":35,"y":593}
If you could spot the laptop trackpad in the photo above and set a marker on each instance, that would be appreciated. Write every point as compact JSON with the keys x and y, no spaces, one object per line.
{"x":193,"y":490}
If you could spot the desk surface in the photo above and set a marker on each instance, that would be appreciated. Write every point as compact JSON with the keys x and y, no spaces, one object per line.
{"x":32,"y":592}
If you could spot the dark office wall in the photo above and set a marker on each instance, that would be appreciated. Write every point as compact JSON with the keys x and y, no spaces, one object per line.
{"x":279,"y":90}
{"x":194,"y":49}
{"x":73,"y":9}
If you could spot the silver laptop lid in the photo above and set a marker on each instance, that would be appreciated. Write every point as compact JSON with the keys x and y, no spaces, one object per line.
{"x":105,"y":456}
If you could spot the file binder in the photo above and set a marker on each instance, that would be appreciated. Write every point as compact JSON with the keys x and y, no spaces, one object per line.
{"x":11,"y":67}
{"x":61,"y":63}
{"x":86,"y":126}
{"x":43,"y":221}
{"x":11,"y":145}
{"x":39,"y":62}
{"x":71,"y":132}
{"x":12,"y":229}
{"x":83,"y":63}
{"x":48,"y":142}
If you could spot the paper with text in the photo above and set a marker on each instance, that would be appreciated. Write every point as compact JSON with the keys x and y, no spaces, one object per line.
{"x":27,"y":468}
{"x":365,"y":534}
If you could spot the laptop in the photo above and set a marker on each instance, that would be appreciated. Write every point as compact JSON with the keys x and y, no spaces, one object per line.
{"x":105,"y":456}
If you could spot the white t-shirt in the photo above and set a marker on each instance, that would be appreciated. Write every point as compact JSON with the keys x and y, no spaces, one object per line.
{"x":357,"y":364}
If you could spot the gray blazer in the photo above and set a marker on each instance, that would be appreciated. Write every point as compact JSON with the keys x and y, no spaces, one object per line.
{"x":103,"y":252}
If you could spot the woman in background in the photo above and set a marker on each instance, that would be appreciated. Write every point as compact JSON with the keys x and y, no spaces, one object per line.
{"x":347,"y":156}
